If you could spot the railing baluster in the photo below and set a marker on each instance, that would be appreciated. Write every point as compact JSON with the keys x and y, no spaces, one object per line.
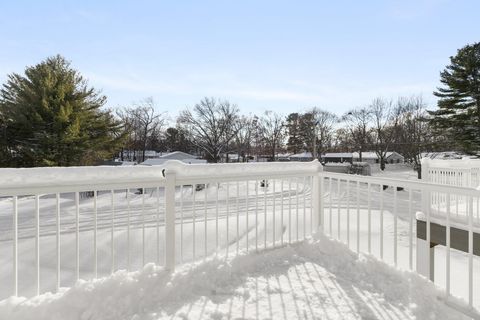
{"x":247,"y":184}
{"x":470,"y":253}
{"x":112,"y":233}
{"x":281,"y":212}
{"x":95,"y":225}
{"x":194,"y":220}
{"x":339,"y":237}
{"x":143,"y":227}
{"x":429,"y":266}
{"x":297,"y":207}
{"x":181,"y":223}
{"x":311,"y":202}
{"x":37,"y":243}
{"x":128,"y":230}
{"x":289,"y":210}
{"x":238,"y":216}
{"x":158,"y":225}
{"x":256,"y":214}
{"x":57,"y":239}
{"x":216,"y":218}
{"x":330,"y":205}
{"x":369,"y":222}
{"x":304,"y":208}
{"x":381,"y":221}
{"x":447,"y":268}
{"x":358,"y":216}
{"x":15,"y":246}
{"x":206,"y":219}
{"x":274,"y":213}
{"x":348,"y":212}
{"x":77,"y":234}
{"x":395,"y":225}
{"x":410,"y":229}
{"x":265,"y":213}
{"x":228,"y":213}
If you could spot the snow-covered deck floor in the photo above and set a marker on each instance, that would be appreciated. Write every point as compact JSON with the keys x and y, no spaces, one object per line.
{"x":316,"y":279}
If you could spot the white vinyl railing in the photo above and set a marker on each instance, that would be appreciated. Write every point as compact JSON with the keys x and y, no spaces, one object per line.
{"x":462,"y":173}
{"x":63,"y":224}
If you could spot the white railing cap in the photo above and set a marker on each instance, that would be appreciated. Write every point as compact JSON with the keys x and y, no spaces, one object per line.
{"x":451,"y":164}
{"x":68,"y":176}
{"x":226,"y":170}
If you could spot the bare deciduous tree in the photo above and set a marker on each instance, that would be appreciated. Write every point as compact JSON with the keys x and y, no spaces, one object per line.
{"x":245,"y":127}
{"x":385,"y":121}
{"x":272,"y":131}
{"x":413,"y":134}
{"x":145,"y":126}
{"x":323,"y":131}
{"x":211,"y":126}
{"x":357,"y":125}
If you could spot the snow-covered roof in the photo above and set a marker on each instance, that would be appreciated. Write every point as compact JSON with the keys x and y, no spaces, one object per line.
{"x":283,"y":155}
{"x":338,"y":155}
{"x":161,"y":161}
{"x":373,"y":155}
{"x":302,"y":155}
{"x":177,"y":155}
{"x":365,"y":155}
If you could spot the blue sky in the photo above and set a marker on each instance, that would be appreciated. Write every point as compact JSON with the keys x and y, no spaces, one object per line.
{"x":263,"y":55}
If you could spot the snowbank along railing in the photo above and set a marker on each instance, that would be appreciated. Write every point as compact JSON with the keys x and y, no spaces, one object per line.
{"x":64,"y":224}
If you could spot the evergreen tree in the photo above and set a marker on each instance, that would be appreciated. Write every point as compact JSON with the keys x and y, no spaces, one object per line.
{"x":459,"y":99}
{"x":50,"y":117}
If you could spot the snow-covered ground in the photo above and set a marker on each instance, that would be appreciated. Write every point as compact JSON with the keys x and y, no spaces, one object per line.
{"x":315,"y":279}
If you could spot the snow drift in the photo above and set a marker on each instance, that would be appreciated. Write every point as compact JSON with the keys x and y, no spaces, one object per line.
{"x":318,"y":278}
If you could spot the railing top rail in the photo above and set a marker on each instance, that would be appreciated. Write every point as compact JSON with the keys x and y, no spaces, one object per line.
{"x":17,"y":181}
{"x":231,"y":171}
{"x":451,"y":164}
{"x":417,"y":185}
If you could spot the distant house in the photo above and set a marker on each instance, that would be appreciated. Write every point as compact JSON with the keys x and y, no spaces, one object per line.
{"x":372,"y":157}
{"x":338,"y":157}
{"x":304,"y":156}
{"x":136,"y":155}
{"x":283,"y":156}
{"x":231,"y":157}
{"x":176,"y":155}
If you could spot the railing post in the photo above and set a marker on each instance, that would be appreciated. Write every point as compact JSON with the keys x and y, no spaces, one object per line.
{"x":426,"y":252}
{"x":170,"y":182}
{"x":424,"y":164}
{"x":317,"y":199}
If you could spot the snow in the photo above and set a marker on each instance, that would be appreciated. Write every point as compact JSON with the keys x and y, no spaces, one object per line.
{"x":338,"y":155}
{"x":54,"y":176}
{"x":252,"y":170}
{"x":303,"y":155}
{"x":318,"y":278}
{"x":162,"y":161}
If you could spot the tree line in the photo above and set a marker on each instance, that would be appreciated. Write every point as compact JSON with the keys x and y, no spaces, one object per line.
{"x":50,"y":116}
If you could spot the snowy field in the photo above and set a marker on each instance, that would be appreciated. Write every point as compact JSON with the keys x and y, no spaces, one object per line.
{"x":296,"y":280}
{"x":315,"y":279}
